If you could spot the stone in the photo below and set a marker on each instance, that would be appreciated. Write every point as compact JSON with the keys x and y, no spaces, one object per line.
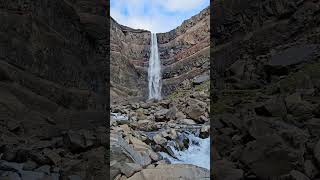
{"x":310,"y":169}
{"x":29,"y":165}
{"x":296,"y":175}
{"x":275,"y":107}
{"x":171,"y":114}
{"x":226,"y":170}
{"x":298,"y":107}
{"x":74,"y":177}
{"x":200,"y":79}
{"x":45,"y":169}
{"x":158,"y":139}
{"x":161,"y":115}
{"x":194,"y":112}
{"x":316,"y":151}
{"x":187,"y":121}
{"x":205,"y":131}
{"x":130,"y":168}
{"x":172,"y":171}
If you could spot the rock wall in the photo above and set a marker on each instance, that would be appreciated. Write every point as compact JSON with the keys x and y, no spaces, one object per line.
{"x":53,"y":73}
{"x":184,"y":54}
{"x":265,"y":117}
{"x":185,"y":51}
{"x":129,"y":60}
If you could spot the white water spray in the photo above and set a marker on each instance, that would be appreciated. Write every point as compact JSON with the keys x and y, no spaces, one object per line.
{"x":154,"y":70}
{"x":197,"y":154}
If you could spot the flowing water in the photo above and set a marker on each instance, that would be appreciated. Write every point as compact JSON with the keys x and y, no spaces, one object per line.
{"x":197,"y":154}
{"x":154,"y":70}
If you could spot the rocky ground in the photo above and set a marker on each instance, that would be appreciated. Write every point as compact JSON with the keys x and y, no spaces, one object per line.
{"x":53,"y":92}
{"x":155,"y":127}
{"x":265,"y":110}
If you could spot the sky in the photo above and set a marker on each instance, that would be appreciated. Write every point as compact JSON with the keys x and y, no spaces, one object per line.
{"x":155,"y":15}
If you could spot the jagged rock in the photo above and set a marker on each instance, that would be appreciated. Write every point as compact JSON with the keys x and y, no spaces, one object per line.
{"x":187,"y":121}
{"x":310,"y":169}
{"x":159,"y":139}
{"x":172,"y":171}
{"x":74,"y":177}
{"x":194,"y":112}
{"x":161,"y":115}
{"x":273,"y":107}
{"x":45,"y":169}
{"x":171,"y":114}
{"x":298,"y":107}
{"x":205,"y":131}
{"x":130,"y":168}
{"x":226,"y":170}
{"x":200,"y":79}
{"x":316,"y":151}
{"x":296,"y":175}
{"x":29,"y":165}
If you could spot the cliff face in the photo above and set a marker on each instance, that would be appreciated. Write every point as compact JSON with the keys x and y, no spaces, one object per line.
{"x":185,"y":51}
{"x":266,"y":113}
{"x":52,"y":83}
{"x":184,"y":54}
{"x":129,"y":60}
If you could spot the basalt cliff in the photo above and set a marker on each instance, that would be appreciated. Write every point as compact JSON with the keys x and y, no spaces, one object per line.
{"x":184,"y":55}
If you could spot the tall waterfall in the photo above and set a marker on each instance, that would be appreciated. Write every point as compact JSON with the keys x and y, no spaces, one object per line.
{"x":154,"y":70}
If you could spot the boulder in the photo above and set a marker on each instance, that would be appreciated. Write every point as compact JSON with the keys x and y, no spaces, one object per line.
{"x":316,"y":151}
{"x":297,"y":107}
{"x":172,"y":171}
{"x":226,"y":170}
{"x":310,"y":169}
{"x":161,"y":115}
{"x":296,"y":175}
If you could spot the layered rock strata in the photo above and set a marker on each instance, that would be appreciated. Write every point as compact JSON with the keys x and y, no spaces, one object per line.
{"x":265,"y":114}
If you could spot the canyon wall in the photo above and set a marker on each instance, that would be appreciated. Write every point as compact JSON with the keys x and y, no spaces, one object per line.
{"x":265,"y":115}
{"x":184,"y":55}
{"x":53,"y":73}
{"x":129,"y":60}
{"x":185,"y":51}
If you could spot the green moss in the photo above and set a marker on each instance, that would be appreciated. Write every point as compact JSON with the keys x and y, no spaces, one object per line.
{"x":205,"y":86}
{"x":178,"y":93}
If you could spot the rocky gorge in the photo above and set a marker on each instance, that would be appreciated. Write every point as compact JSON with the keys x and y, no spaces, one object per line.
{"x":148,"y":137}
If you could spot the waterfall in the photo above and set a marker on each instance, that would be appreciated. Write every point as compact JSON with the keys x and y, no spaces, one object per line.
{"x":154,"y":70}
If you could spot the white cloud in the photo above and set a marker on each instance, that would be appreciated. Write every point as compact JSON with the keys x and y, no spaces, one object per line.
{"x":180,"y":5}
{"x":152,"y":14}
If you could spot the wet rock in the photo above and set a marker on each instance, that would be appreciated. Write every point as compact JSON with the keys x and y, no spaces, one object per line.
{"x":205,"y":131}
{"x":298,"y":107}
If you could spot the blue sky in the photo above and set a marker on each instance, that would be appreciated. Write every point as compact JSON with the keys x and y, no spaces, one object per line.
{"x":155,"y":15}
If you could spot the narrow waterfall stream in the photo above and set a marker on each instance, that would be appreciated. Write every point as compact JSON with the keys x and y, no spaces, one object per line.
{"x":154,"y":70}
